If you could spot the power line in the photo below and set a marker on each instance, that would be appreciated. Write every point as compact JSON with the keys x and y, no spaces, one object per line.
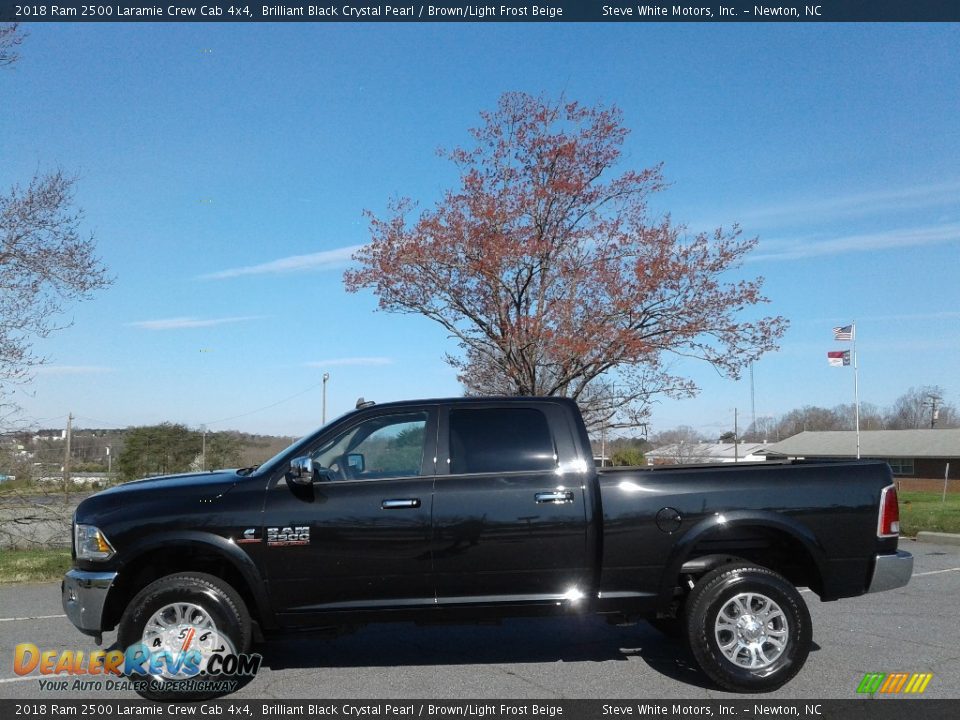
{"x":265,"y":407}
{"x":104,"y":424}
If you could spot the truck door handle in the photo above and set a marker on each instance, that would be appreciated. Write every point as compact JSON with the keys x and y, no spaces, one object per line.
{"x":400,"y":504}
{"x":555,"y":496}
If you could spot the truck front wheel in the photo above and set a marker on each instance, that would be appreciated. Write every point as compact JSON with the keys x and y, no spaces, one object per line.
{"x":174,"y":627}
{"x":748,"y":628}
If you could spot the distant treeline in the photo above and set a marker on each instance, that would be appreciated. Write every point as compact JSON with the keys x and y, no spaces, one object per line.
{"x":134,"y":452}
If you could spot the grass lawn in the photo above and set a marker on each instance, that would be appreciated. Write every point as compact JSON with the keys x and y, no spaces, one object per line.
{"x":924,"y":511}
{"x":17,"y":566}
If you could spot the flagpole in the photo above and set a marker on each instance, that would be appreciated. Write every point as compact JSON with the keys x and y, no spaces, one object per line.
{"x":856,"y":387}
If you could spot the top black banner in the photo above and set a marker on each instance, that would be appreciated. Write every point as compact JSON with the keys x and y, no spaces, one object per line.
{"x":500,"y":11}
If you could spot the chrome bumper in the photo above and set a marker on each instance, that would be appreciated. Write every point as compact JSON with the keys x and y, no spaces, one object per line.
{"x":891,"y":571}
{"x":84,"y":595}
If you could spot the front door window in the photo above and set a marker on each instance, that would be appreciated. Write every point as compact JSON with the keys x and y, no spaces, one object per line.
{"x":387,"y":446}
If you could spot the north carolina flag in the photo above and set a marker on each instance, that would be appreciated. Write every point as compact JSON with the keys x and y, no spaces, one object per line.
{"x":843,"y":333}
{"x":838,"y":358}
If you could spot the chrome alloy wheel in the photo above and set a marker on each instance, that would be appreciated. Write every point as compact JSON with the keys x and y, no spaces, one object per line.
{"x":751,"y":631}
{"x":179,"y":628}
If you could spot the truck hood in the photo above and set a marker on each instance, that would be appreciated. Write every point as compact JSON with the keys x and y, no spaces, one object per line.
{"x":187,"y":490}
{"x":174,"y":483}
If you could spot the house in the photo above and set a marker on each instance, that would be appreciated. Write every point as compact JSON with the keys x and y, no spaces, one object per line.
{"x":911,"y":453}
{"x":683,"y":453}
{"x":92,"y":479}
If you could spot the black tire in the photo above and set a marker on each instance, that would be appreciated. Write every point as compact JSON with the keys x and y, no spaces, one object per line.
{"x":787,"y":637}
{"x":215,"y":596}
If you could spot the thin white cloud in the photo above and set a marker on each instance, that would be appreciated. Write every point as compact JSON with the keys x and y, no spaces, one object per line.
{"x":349,"y":361}
{"x":180,"y":323}
{"x":943,"y":315}
{"x":814,"y":247}
{"x":324,"y":260}
{"x":868,"y":203}
{"x":838,"y":320}
{"x":72,"y":370}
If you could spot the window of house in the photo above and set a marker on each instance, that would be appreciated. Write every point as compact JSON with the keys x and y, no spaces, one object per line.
{"x":901,"y":466}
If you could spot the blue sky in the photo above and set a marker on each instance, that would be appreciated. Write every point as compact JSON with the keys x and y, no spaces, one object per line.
{"x":224,"y":170}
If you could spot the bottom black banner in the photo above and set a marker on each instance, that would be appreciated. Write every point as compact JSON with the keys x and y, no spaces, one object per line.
{"x":865,"y":708}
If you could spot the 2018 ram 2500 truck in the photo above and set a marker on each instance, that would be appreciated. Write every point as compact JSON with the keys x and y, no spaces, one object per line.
{"x":480,"y":508}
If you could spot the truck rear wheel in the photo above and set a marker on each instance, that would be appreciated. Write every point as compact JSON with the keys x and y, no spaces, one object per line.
{"x":189,"y":618}
{"x":748,"y":628}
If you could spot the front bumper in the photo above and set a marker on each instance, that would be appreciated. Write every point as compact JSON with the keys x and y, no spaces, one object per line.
{"x":891,"y":571}
{"x":84,"y":595}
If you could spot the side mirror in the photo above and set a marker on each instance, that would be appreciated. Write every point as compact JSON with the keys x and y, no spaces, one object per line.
{"x":302,"y":470}
{"x":356,"y":462}
{"x":305,"y":470}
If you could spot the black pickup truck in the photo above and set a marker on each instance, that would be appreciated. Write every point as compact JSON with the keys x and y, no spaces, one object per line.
{"x":478,"y":509}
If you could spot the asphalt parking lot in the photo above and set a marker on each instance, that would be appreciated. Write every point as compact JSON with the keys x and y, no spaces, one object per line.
{"x":913,"y":629}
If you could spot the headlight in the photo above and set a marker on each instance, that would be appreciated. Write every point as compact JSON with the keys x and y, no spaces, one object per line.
{"x":91,"y":544}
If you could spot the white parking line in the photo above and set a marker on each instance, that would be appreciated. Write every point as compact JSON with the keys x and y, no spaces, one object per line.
{"x":936,"y":572}
{"x":34,"y":617}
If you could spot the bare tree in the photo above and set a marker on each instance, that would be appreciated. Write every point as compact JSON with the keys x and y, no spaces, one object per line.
{"x":10,"y":39}
{"x":813,"y":418}
{"x":44,"y":261}
{"x":871,"y":416}
{"x":681,"y":444}
{"x":917,"y":408}
{"x":922,"y":407}
{"x":44,"y":264}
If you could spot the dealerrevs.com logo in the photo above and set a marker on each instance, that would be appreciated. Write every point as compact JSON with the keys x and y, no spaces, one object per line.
{"x":201,"y":661}
{"x":898,"y":683}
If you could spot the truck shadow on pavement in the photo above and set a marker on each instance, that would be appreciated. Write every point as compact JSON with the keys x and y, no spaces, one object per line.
{"x":516,"y":641}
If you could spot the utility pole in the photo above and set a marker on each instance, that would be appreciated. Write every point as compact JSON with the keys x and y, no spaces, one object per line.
{"x":933,"y":401}
{"x":736,"y":435}
{"x":66,"y":455}
{"x":603,"y":443}
{"x":203,"y":450}
{"x":323,"y":416}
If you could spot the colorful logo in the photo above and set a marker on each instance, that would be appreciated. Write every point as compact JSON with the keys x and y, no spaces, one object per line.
{"x":172,"y":657}
{"x":895,"y":683}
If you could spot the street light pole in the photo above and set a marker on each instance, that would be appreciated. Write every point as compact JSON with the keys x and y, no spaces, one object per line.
{"x":323,"y":417}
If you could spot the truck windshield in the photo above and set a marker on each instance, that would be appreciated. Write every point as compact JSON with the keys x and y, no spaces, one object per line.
{"x":298,"y":448}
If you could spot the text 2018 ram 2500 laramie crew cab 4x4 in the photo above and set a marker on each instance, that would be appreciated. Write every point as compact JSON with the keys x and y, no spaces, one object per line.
{"x":484,"y":508}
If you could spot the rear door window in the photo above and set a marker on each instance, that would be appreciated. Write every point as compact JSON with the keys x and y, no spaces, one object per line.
{"x":488,"y":440}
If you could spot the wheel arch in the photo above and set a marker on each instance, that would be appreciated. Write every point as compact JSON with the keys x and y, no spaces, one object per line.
{"x":168,"y":553}
{"x":766,"y":538}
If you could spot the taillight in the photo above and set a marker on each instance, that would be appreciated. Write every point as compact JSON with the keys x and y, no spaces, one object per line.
{"x":889,"y":525}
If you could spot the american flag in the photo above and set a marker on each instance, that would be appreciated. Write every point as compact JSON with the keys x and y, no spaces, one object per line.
{"x":843,"y":333}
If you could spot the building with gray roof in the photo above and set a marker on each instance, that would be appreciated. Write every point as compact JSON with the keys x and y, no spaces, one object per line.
{"x":911,"y":453}
{"x":704,"y":452}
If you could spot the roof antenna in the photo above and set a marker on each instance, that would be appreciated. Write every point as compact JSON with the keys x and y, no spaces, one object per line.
{"x":361,"y":403}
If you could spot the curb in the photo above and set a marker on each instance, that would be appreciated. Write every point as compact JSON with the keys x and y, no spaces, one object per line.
{"x":938,"y":537}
